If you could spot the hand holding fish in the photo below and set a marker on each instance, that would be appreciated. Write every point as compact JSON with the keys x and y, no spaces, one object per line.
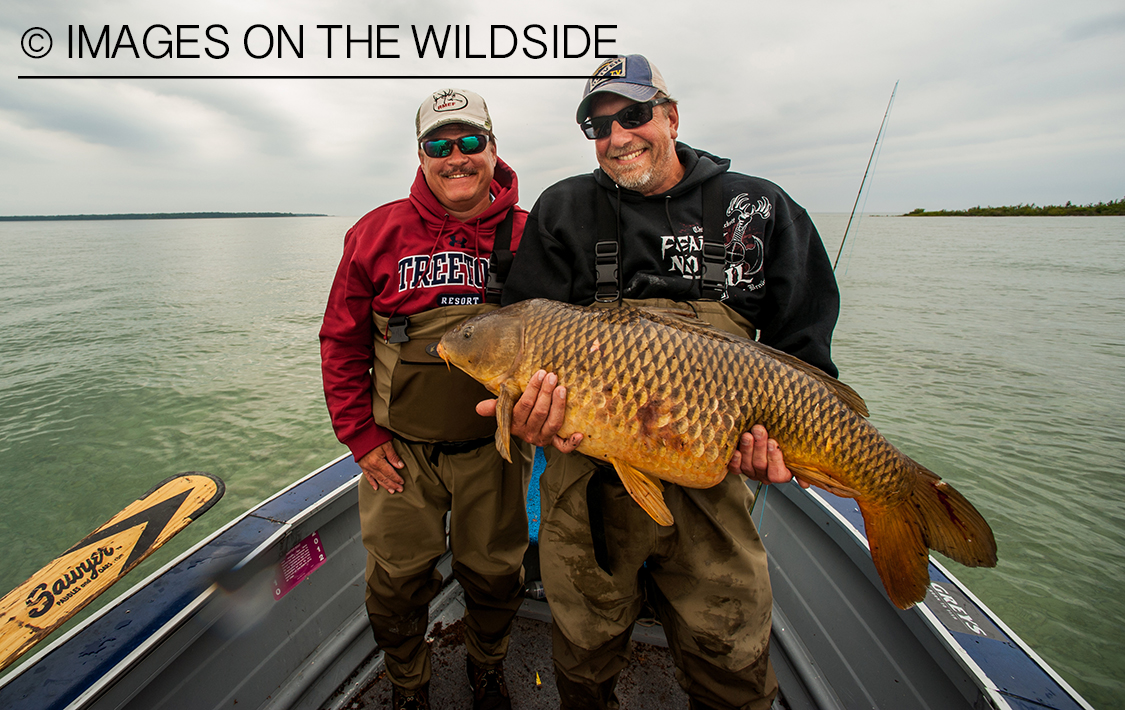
{"x":538,"y":414}
{"x":379,"y":466}
{"x":758,"y":457}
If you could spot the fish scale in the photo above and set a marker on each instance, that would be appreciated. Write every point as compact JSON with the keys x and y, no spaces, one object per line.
{"x":655,"y":385}
{"x":664,"y":398}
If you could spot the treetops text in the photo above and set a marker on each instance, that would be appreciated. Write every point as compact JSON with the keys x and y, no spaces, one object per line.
{"x":261,"y":41}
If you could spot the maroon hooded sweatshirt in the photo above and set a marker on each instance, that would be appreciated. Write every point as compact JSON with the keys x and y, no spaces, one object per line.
{"x":403,"y":258}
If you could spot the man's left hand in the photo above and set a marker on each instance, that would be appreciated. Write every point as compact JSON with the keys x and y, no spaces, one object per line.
{"x":760,"y":458}
{"x":538,"y":414}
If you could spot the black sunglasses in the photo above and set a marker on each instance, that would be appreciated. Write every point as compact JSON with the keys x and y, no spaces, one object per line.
{"x":442,"y":147}
{"x":628,"y":117}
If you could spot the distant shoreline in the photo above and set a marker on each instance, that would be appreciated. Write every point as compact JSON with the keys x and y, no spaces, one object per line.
{"x":1111,"y":208}
{"x":149,"y":215}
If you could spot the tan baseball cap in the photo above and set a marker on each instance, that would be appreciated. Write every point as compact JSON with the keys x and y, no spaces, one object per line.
{"x":452,"y":106}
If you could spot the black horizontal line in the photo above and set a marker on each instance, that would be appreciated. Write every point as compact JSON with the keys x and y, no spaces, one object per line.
{"x":297,"y":76}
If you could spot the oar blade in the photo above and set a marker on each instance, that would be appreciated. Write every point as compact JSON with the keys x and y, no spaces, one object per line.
{"x":61,"y":589}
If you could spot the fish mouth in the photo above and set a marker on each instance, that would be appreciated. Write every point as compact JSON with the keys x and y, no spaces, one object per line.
{"x":444,"y":356}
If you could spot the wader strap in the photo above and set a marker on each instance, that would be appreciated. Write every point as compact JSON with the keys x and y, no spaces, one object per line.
{"x":607,"y":252}
{"x":595,"y":505}
{"x":713,"y":281}
{"x":500,"y":261}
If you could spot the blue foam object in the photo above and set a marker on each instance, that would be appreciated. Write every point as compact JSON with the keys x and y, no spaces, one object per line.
{"x":533,"y":496}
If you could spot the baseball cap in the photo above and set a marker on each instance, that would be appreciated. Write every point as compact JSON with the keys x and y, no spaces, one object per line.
{"x":452,"y":106}
{"x":630,"y":75}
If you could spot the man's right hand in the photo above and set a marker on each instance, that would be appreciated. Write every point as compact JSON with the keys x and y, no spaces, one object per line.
{"x":538,"y":414}
{"x":379,"y":466}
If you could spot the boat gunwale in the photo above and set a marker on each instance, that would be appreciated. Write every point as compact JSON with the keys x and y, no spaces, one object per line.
{"x":837,"y":507}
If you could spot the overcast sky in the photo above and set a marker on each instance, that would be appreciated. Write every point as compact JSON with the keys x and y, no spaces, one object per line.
{"x":999,"y":101}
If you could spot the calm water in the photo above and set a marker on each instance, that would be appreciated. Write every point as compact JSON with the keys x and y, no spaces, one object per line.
{"x":992,"y":350}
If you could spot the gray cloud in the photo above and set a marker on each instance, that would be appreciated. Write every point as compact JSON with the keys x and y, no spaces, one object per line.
{"x":999,"y":101}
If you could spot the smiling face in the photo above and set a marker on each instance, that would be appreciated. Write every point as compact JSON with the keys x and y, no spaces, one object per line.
{"x":460,"y":182}
{"x":643,"y":158}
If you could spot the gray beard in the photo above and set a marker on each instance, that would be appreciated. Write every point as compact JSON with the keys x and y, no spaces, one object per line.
{"x":635,"y":181}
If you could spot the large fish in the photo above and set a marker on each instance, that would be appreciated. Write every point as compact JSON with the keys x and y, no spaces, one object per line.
{"x":662,"y":397}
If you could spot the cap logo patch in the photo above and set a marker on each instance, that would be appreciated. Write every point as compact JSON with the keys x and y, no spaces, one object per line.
{"x":449,"y":101}
{"x":609,"y":70}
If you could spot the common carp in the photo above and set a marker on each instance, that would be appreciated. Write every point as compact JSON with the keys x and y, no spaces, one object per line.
{"x":666,"y":398}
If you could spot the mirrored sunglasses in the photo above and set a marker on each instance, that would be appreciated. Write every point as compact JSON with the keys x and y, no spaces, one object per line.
{"x":442,"y":147}
{"x":628,"y":118}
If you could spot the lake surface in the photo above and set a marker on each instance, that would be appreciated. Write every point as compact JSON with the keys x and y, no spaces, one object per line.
{"x":990,"y":349}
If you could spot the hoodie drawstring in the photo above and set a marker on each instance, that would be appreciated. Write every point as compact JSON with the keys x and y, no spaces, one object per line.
{"x":418,"y":277}
{"x":476,"y":261}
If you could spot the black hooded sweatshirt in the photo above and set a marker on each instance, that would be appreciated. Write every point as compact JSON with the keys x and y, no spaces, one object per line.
{"x":777,"y":272}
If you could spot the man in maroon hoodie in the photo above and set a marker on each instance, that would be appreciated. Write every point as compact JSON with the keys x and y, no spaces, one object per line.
{"x":411,"y":270}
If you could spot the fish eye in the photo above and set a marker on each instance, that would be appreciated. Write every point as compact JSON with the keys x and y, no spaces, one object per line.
{"x":467,"y":332}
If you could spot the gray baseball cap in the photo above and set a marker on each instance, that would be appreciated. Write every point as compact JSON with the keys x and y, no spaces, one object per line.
{"x":631,"y":75}
{"x":452,"y":106}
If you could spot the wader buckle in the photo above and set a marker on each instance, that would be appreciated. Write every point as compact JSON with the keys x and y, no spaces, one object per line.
{"x":397,"y":329}
{"x":605,"y":260}
{"x":714,"y":281}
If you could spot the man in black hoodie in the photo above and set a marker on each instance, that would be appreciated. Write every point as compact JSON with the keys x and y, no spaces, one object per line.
{"x":662,"y":223}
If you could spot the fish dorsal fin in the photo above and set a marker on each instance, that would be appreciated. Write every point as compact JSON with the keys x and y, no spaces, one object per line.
{"x":846,"y":394}
{"x":647,"y":491}
{"x":687,"y":320}
{"x":684,"y":319}
{"x":683,"y":315}
{"x":821,"y":479}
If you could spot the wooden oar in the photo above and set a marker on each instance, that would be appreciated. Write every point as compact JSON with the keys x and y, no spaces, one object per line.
{"x":75,"y":578}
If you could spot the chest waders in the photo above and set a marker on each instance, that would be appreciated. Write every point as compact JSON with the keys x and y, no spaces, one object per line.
{"x":458,"y":495}
{"x":709,"y":308}
{"x":416,"y":395}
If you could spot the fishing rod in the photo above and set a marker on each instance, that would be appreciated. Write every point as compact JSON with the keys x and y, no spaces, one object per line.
{"x":878,"y":136}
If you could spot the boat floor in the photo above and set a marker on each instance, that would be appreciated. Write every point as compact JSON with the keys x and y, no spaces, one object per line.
{"x":648,"y":681}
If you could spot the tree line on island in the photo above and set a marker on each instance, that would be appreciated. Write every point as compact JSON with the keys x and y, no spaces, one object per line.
{"x":1113,"y":207}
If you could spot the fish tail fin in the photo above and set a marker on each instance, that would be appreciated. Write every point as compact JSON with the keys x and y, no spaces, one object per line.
{"x":898,"y":548}
{"x":951,"y":525}
{"x":647,"y":491}
{"x":934,"y":517}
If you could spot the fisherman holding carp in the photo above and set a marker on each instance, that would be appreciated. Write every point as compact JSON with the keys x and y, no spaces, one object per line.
{"x":657,"y":310}
{"x":665,"y":335}
{"x":662,"y":224}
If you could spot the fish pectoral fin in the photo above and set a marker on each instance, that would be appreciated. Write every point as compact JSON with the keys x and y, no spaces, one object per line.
{"x":646,"y":490}
{"x":504,"y":403}
{"x":821,"y":479}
